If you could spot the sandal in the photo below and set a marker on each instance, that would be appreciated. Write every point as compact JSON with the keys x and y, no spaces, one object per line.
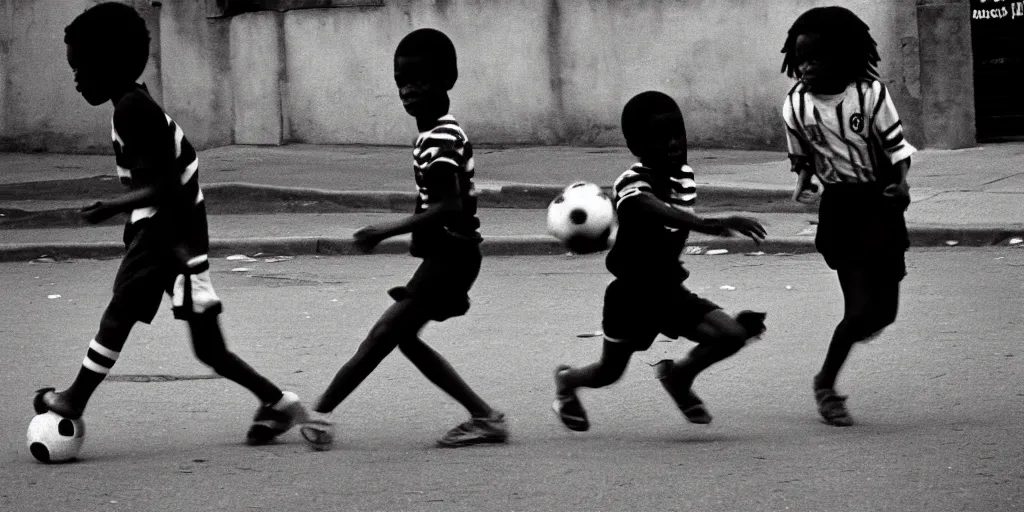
{"x":688,"y":402}
{"x":568,"y":407}
{"x":318,"y":432}
{"x":832,"y":407}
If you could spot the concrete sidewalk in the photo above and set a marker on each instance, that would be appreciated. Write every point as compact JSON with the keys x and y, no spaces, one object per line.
{"x":320,"y":194}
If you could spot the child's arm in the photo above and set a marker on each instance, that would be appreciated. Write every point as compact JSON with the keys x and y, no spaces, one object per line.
{"x":144,"y":129}
{"x":646,"y":204}
{"x":900,"y":191}
{"x":155,"y":194}
{"x":805,"y":189}
{"x":367,"y":238}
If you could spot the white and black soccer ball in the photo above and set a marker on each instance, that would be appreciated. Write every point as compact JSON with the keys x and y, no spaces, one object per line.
{"x":54,"y":438}
{"x":582,"y":217}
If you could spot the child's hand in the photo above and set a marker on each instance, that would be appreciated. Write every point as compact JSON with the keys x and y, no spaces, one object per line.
{"x":898,"y":192}
{"x":806,"y":193}
{"x":97,"y":212}
{"x":745,"y":226}
{"x":367,"y":238}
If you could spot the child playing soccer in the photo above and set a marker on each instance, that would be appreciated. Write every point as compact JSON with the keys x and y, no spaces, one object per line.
{"x":654,"y":201}
{"x":842,"y":127}
{"x":444,"y":234}
{"x":165,"y":236}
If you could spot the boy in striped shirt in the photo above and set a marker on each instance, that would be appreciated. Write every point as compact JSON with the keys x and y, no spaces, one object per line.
{"x":445,"y":235}
{"x":654,"y":202}
{"x":842,"y":126}
{"x":166,"y":234}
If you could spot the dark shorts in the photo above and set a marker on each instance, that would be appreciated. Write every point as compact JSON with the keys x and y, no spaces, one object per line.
{"x":148,"y":271}
{"x":859,"y":227}
{"x":442,"y":282}
{"x":635,"y":313}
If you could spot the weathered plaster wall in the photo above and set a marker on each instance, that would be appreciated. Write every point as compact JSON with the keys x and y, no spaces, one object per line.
{"x":531,"y":71}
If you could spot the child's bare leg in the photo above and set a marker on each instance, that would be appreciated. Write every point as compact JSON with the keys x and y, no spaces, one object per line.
{"x":615,"y":356}
{"x":211,"y":349}
{"x":438,"y":371}
{"x":606,"y":371}
{"x":869,"y":306}
{"x":401,"y":321}
{"x":719,"y":336}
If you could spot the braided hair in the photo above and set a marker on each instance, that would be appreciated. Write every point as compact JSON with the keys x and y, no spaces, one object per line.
{"x":843,"y":35}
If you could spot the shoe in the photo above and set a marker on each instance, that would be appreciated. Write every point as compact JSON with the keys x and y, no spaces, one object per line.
{"x":688,"y":402}
{"x":477,"y":431}
{"x":832,"y":407}
{"x":268,"y":423}
{"x":47,"y":399}
{"x":568,"y":407}
{"x":318,"y":431}
{"x":753,"y":322}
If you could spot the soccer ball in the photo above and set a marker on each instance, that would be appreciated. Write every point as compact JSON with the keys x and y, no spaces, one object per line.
{"x":582,"y":217}
{"x":54,"y":438}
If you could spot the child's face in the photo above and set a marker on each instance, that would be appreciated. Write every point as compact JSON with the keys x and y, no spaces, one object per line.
{"x":816,"y":66}
{"x":421,"y":92}
{"x":90,"y":79}
{"x":664,"y":143}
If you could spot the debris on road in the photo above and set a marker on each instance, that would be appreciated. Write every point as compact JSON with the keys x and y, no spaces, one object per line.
{"x":789,"y":287}
{"x":595,"y":334}
{"x":43,"y":259}
{"x":53,"y":296}
{"x":715,"y":252}
{"x":240,"y":257}
{"x":241,"y":269}
{"x":726,"y":287}
{"x":1016,"y":241}
{"x":808,"y":231}
{"x":693,"y":250}
{"x":277,"y":259}
{"x":952,"y":243}
{"x":755,"y":253}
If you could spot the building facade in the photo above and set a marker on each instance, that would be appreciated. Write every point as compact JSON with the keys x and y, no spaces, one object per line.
{"x":531,"y":71}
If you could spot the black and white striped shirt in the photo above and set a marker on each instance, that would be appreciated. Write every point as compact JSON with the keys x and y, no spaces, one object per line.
{"x":644,"y":249}
{"x":443,"y":166}
{"x":852,"y":137}
{"x":147,"y":141}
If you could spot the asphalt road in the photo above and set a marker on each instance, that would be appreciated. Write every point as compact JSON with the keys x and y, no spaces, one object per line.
{"x":938,"y":398}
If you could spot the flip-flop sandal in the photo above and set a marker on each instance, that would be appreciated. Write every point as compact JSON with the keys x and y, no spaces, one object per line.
{"x":832,"y":407}
{"x":571,"y":412}
{"x":319,"y":434}
{"x":688,"y":402}
{"x":694,"y":410}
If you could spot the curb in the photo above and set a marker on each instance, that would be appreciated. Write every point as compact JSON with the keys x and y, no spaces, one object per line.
{"x":244,"y":198}
{"x":528,"y":245}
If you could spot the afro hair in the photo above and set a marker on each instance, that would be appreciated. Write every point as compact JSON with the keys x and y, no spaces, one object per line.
{"x":113,"y":35}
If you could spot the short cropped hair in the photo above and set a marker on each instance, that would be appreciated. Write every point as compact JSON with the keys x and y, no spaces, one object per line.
{"x":435,"y":46}
{"x":843,"y":35}
{"x":111,"y":32}
{"x":638,"y":111}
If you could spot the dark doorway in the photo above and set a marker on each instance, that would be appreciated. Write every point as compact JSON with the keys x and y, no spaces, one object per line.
{"x":997,"y":34}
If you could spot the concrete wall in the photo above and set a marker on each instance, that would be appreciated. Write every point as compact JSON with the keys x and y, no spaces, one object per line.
{"x":39,"y":107}
{"x":531,"y":71}
{"x":195,"y":65}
